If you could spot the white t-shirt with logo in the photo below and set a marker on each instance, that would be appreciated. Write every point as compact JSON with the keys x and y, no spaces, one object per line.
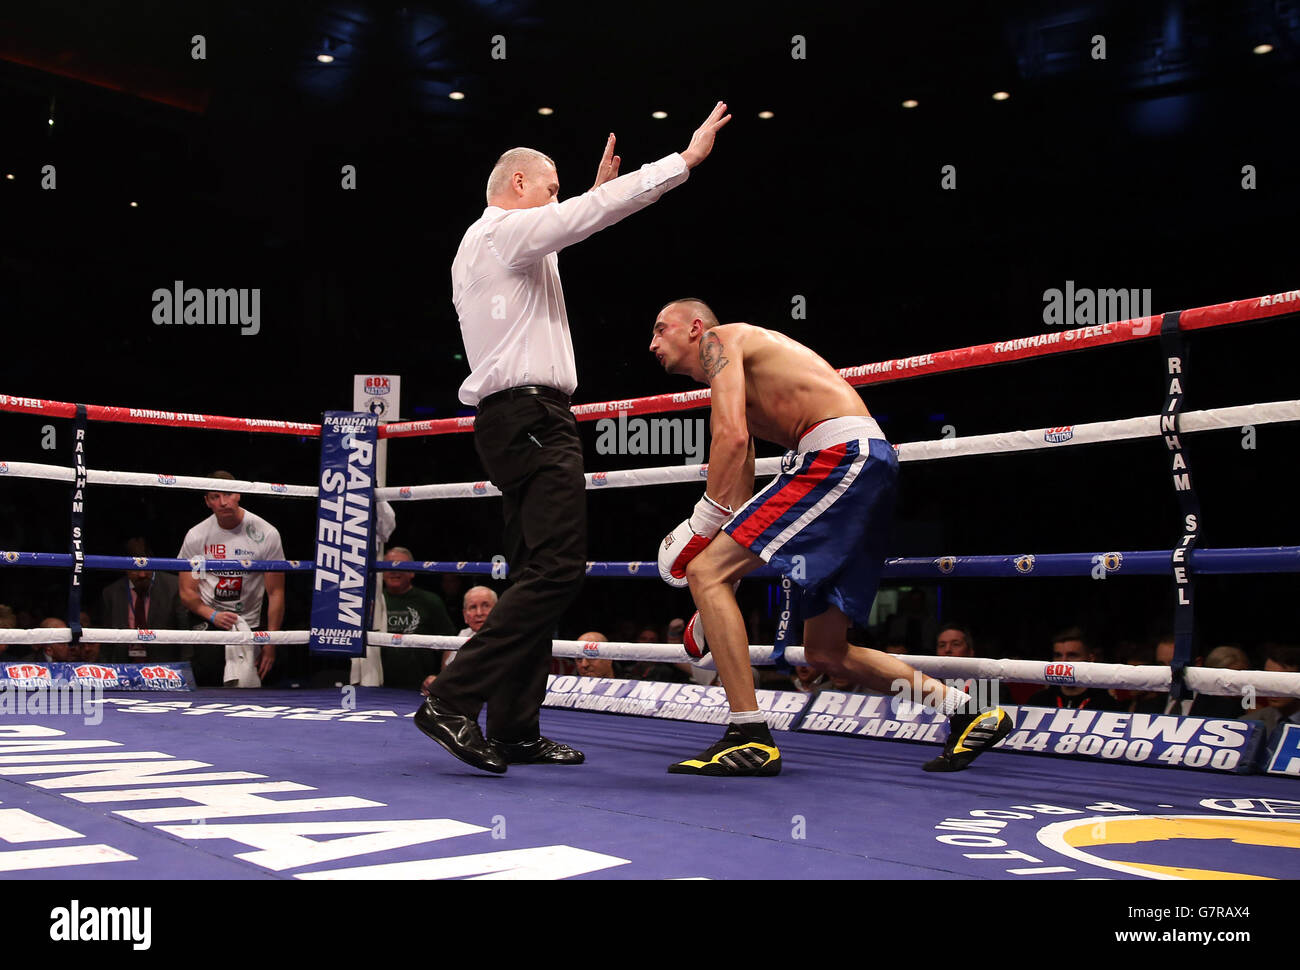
{"x":233,"y":590}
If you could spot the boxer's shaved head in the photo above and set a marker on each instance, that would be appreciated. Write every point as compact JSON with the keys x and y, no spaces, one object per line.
{"x":674,"y":341}
{"x":527,"y":160}
{"x":696,"y":308}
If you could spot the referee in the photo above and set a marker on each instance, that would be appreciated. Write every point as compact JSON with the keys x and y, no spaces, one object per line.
{"x":506,"y":288}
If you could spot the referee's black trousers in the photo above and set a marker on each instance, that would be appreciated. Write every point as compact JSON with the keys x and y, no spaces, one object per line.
{"x":532,"y":453}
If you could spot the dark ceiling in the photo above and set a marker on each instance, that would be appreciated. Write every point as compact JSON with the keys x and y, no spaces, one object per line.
{"x":1124,"y":172}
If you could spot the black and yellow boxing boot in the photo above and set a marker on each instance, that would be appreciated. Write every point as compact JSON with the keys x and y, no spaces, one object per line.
{"x":968,"y":736}
{"x":745,"y":750}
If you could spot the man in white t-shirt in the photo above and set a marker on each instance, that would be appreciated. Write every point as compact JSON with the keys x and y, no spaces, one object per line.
{"x":221,"y":598}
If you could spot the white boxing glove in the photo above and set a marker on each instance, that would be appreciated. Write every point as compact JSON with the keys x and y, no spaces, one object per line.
{"x":689,"y":539}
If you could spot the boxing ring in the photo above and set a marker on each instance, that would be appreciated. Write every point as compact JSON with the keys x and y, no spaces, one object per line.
{"x":217,"y":785}
{"x":153,"y":779}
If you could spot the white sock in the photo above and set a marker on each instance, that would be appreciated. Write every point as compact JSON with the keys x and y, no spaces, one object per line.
{"x":953,"y":700}
{"x":748,"y":717}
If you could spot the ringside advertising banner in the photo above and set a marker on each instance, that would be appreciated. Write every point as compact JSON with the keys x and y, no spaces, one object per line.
{"x":677,"y":702}
{"x":873,"y":716}
{"x":1283,"y":757}
{"x":32,"y":675}
{"x":1216,"y":744}
{"x":344,"y":514}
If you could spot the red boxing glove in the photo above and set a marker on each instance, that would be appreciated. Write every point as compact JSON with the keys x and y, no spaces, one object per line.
{"x":689,"y":539}
{"x":693,"y":637}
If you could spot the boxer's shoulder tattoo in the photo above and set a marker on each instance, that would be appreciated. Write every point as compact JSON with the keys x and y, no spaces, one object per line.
{"x":711,"y":354}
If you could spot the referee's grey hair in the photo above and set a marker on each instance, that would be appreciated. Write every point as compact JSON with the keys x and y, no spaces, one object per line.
{"x":515,"y":160}
{"x":402,"y":549}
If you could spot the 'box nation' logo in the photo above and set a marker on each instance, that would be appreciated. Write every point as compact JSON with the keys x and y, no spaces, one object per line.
{"x":1059,"y":673}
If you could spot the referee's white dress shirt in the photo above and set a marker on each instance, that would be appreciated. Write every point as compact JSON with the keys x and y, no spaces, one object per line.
{"x":505,"y":281}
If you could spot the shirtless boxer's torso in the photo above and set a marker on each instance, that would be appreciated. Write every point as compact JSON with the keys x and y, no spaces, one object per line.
{"x":788,"y":388}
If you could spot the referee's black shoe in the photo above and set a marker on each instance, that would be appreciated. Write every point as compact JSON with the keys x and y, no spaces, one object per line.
{"x":968,"y":736}
{"x":745,"y":750}
{"x":460,"y":735}
{"x":539,"y":751}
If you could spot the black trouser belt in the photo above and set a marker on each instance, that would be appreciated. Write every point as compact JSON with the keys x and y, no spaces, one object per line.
{"x":526,"y":390}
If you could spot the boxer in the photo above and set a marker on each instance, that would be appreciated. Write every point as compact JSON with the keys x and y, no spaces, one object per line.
{"x":824,"y":520}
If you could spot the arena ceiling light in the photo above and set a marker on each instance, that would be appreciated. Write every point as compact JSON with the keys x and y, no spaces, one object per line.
{"x":1264,"y":49}
{"x":546,"y":111}
{"x":911,"y":103}
{"x":457,"y":95}
{"x":659,"y":115}
{"x":1000,"y":95}
{"x":766,"y":115}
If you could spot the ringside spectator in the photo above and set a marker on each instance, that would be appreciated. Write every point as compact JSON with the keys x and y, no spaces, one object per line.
{"x":652,"y":669}
{"x":411,"y":610}
{"x":1070,"y":646}
{"x":52,"y":653}
{"x":1271,"y":710}
{"x":222,"y":598}
{"x":594,"y":666}
{"x":8,"y":621}
{"x":477,"y":604}
{"x":1217,"y":705}
{"x":144,"y":599}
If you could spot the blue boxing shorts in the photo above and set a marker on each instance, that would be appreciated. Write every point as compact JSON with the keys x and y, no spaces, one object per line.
{"x":826,"y":519}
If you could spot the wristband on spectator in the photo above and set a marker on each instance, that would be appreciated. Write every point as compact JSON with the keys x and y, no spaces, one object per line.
{"x":213,"y":618}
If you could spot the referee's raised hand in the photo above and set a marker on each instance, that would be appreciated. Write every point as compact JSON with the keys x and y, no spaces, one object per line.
{"x":702,"y":141}
{"x":608,"y":164}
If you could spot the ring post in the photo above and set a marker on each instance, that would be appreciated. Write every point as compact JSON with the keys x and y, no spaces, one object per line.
{"x":78,"y":548}
{"x":344,"y":520}
{"x":1174,"y":346}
